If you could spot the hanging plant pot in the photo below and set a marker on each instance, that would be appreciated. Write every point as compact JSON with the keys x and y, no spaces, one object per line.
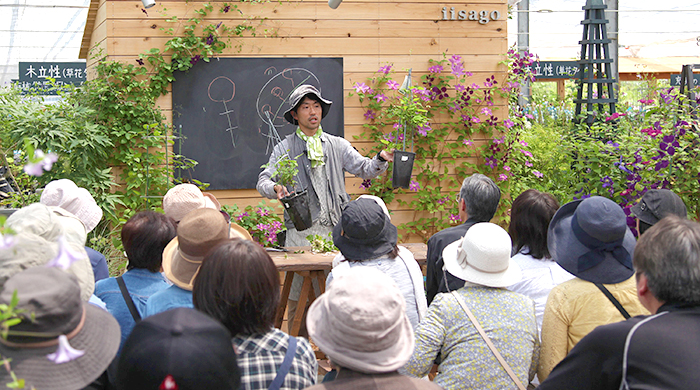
{"x":403,"y":168}
{"x":297,"y":207}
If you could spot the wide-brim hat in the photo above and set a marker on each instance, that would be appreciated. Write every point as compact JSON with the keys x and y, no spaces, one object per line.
{"x":67,"y":195}
{"x":656,"y":204}
{"x":197,"y":234}
{"x":52,"y":298}
{"x":298,"y":94}
{"x":590,"y":239}
{"x":482,"y":257}
{"x":364,"y":231}
{"x":360,"y":322}
{"x":184,"y":198}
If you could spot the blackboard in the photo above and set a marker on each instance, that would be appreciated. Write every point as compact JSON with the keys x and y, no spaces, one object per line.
{"x":219,"y":110}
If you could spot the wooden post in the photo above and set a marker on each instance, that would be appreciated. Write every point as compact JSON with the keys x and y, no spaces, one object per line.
{"x":561,"y":89}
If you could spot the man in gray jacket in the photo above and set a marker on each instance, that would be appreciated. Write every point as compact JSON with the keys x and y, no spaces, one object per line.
{"x":323,"y":160}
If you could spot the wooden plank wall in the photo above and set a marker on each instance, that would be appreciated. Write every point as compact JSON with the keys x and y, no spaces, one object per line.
{"x":367,"y":34}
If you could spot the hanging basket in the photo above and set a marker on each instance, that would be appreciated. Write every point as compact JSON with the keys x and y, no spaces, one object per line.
{"x":403,"y":168}
{"x":297,"y":207}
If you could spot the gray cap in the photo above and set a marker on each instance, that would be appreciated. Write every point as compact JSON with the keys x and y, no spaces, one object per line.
{"x":298,"y":94}
{"x":656,"y":204}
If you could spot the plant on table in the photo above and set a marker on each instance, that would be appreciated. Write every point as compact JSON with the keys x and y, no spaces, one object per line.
{"x":261,"y":221}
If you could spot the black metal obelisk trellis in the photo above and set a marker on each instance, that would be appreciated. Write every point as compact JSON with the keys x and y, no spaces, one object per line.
{"x":595,"y":73}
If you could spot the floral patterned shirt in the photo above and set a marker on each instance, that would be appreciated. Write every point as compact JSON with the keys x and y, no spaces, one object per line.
{"x":508,"y":318}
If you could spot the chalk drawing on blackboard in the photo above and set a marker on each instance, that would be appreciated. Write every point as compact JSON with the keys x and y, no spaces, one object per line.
{"x":273,"y":98}
{"x":220,"y":91}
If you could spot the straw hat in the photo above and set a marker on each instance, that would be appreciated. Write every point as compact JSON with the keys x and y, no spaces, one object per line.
{"x":298,"y":94}
{"x":197,"y":234}
{"x":65,"y":194}
{"x":590,"y":239}
{"x":183,"y":198}
{"x":360,"y":322}
{"x":482,"y":257}
{"x":51,"y":304}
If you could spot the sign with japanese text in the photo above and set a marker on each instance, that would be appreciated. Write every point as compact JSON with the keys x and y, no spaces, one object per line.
{"x":676,"y":80}
{"x":555,"y":69}
{"x":35,"y":75}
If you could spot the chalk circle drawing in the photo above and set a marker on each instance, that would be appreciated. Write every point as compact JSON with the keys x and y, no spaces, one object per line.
{"x":273,"y":99}
{"x":223,"y":89}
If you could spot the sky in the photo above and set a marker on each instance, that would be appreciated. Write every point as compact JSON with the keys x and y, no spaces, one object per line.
{"x":52,"y":30}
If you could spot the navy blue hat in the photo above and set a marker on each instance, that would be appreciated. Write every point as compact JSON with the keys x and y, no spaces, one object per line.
{"x":364,"y":231}
{"x":590,"y":239}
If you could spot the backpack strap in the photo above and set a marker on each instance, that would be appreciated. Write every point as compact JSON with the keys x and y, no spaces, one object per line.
{"x":127,"y":298}
{"x":286,"y":365}
{"x":614,"y":301}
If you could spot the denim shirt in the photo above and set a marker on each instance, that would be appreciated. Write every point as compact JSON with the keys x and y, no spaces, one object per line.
{"x":167,"y":299}
{"x":141,"y":284}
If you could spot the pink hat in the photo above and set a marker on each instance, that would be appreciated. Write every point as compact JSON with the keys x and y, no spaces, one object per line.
{"x":183,"y":198}
{"x":65,"y":194}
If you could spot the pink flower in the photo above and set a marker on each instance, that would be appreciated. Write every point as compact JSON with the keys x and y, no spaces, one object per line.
{"x":502,"y":177}
{"x":454,"y":218}
{"x":460,"y":88}
{"x":435,"y":69}
{"x":523,"y":143}
{"x":6,"y":241}
{"x":646,"y":101}
{"x":397,"y":126}
{"x":423,"y":130}
{"x":361,"y":88}
{"x":614,"y":116}
{"x":526,"y":152}
{"x":468,"y":142}
{"x":506,"y":168}
{"x":475,"y":86}
{"x":486,"y":111}
{"x":385,"y":69}
{"x":65,"y":353}
{"x":476,"y":119}
{"x":380,"y":97}
{"x":414,"y":186}
{"x":529,"y":116}
{"x":499,"y":141}
{"x":537,"y":173}
{"x":39,"y":163}
{"x":508,"y":123}
{"x":528,"y":164}
{"x":391,"y":84}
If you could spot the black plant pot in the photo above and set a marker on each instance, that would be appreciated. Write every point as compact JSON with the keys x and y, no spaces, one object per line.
{"x":297,"y":206}
{"x":403,"y":168}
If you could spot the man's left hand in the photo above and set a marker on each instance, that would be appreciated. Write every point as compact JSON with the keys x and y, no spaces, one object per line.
{"x":388,"y":156}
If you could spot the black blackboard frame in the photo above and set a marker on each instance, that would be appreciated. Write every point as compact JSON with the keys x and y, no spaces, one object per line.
{"x":222,"y":103}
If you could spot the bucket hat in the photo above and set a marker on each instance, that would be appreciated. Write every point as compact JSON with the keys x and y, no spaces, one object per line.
{"x":49,"y":222}
{"x":183,"y":198}
{"x":482,"y":257}
{"x":298,"y":94}
{"x":51,"y":308}
{"x":67,"y":195}
{"x":590,"y":239}
{"x":379,"y":201}
{"x":364,"y":231}
{"x":178,"y":349}
{"x":656,"y":204}
{"x":197,"y":234}
{"x":360,"y":322}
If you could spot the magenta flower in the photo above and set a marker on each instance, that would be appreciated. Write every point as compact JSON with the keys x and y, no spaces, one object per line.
{"x":435,"y":69}
{"x":614,"y":116}
{"x":476,"y":119}
{"x":380,"y":97}
{"x":528,"y":164}
{"x":523,"y":143}
{"x":262,"y":212}
{"x":241,"y":216}
{"x":385,"y":69}
{"x":65,"y":257}
{"x":499,"y":141}
{"x":508,"y":123}
{"x":475,"y":86}
{"x":460,"y":88}
{"x":646,"y":101}
{"x":414,"y":186}
{"x":454,"y":218}
{"x":389,"y":137}
{"x":502,"y":177}
{"x":369,"y":115}
{"x":361,"y":87}
{"x":65,"y":353}
{"x":468,"y":142}
{"x":526,"y":152}
{"x":506,"y":168}
{"x":397,"y":126}
{"x":391,"y":84}
{"x":442,"y":200}
{"x":423,"y":130}
{"x":529,"y":116}
{"x":486,"y":111}
{"x":537,"y":173}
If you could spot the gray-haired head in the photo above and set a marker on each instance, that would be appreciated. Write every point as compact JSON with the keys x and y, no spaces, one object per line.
{"x":481,"y":196}
{"x":668,"y":254}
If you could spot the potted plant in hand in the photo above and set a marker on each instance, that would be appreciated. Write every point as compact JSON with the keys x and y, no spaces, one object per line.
{"x":296,"y":204}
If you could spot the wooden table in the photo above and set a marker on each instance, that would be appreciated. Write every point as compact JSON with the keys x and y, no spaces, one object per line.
{"x":312,"y":266}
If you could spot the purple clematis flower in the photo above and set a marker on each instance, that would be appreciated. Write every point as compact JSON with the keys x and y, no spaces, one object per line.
{"x":414,"y":186}
{"x":65,"y":353}
{"x":65,"y":257}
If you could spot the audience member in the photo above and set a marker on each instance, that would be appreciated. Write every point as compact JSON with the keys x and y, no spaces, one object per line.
{"x":451,"y":328}
{"x":360,"y":323}
{"x":61,"y":342}
{"x":478,"y":201}
{"x":366,"y":237}
{"x":238,"y":284}
{"x":184,"y":198}
{"x":65,"y":194}
{"x":42,"y":237}
{"x":655,"y":205}
{"x":144,"y":236}
{"x":181,"y":349}
{"x":197,"y":233}
{"x":590,"y":239}
{"x":529,"y":219}
{"x":647,"y":352}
